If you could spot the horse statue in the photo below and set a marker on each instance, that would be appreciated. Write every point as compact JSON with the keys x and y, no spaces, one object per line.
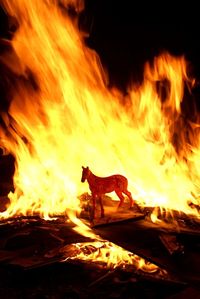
{"x":102,"y":185}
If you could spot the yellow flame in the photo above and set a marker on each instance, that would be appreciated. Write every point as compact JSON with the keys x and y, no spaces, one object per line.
{"x":110,"y":254}
{"x":62,"y":116}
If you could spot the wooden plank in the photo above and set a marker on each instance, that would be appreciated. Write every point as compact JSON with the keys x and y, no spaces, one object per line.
{"x":112,"y":214}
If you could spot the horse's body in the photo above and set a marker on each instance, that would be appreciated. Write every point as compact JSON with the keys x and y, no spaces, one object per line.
{"x":102,"y":185}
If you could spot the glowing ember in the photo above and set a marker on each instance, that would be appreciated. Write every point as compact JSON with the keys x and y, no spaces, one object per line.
{"x":69,"y":118}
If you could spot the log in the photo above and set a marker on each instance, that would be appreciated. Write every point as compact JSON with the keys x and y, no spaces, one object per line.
{"x":171,"y":244}
{"x":26,"y":242}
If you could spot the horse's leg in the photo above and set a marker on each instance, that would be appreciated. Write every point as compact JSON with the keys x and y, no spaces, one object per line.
{"x":128,"y":193}
{"x":93,"y":205}
{"x":101,"y":204}
{"x":121,"y":197}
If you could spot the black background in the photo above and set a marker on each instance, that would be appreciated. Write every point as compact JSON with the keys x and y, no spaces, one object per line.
{"x":128,"y":33}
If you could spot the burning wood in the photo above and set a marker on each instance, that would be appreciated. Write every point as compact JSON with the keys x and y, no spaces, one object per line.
{"x":38,"y":243}
{"x":110,"y":256}
{"x":171,"y":221}
{"x":112,"y":215}
{"x":26,"y":241}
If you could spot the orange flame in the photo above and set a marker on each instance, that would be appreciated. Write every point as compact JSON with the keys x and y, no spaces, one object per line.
{"x":67,"y":118}
{"x":110,"y":254}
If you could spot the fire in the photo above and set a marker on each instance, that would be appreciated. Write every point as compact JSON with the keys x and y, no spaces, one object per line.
{"x":107,"y":253}
{"x":63,"y":116}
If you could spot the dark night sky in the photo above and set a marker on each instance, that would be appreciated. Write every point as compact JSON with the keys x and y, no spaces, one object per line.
{"x":126,"y":35}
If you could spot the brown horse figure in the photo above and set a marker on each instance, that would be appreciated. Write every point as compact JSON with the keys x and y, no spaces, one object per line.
{"x":99,"y":186}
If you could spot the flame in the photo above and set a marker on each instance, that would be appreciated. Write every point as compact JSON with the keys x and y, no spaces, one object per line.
{"x":63,"y":116}
{"x":108,"y":253}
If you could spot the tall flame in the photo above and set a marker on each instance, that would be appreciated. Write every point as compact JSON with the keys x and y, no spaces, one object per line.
{"x":62,"y":116}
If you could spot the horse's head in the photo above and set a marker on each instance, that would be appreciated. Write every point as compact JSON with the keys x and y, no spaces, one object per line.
{"x":85,"y":173}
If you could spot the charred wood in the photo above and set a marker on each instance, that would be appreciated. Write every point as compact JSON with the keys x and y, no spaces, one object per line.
{"x":171,"y":244}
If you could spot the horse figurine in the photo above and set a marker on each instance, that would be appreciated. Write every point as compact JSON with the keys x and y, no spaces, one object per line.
{"x":102,"y":185}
